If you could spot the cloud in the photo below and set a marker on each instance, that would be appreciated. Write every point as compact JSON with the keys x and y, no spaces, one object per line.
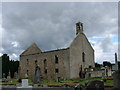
{"x":52,"y":25}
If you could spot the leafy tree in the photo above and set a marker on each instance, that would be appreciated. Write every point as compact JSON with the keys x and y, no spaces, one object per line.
{"x":9,"y":65}
{"x":106,"y":63}
{"x":5,"y":64}
{"x":98,"y":65}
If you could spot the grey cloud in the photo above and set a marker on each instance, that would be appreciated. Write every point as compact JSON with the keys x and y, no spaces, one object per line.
{"x":52,"y":25}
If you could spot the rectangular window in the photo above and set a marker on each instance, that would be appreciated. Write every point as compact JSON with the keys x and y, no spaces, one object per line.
{"x":56,"y":70}
{"x":45,"y":71}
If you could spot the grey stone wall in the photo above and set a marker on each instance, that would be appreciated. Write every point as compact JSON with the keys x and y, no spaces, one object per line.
{"x":79,"y":45}
{"x":69,"y":60}
{"x":27,"y":62}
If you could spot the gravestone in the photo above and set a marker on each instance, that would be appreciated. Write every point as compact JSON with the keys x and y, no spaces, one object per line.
{"x":116,"y":78}
{"x":16,"y":75}
{"x":3,"y":79}
{"x":24,"y":82}
{"x":97,"y":85}
{"x":8,"y":77}
{"x":37,"y":75}
{"x":45,"y":86}
{"x":24,"y":85}
{"x":3,"y":75}
{"x":79,"y":87}
{"x":26,"y":75}
{"x":35,"y":86}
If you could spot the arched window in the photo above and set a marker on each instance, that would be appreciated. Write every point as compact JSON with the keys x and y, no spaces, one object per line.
{"x":45,"y":66}
{"x":27,"y":72}
{"x":83,"y":57}
{"x":45,"y":62}
{"x":56,"y":59}
{"x":35,"y":61}
{"x":27,"y":61}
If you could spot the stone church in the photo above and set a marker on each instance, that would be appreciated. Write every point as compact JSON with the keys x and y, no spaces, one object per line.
{"x":67,"y":63}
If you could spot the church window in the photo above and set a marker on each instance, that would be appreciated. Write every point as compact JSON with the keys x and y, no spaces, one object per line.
{"x":45,"y":71}
{"x":35,"y":61}
{"x":27,"y":72}
{"x":45,"y":62}
{"x":45,"y":65}
{"x":56,"y":70}
{"x":90,"y":66}
{"x":56,"y":59}
{"x":83,"y":57}
{"x":27,"y":61}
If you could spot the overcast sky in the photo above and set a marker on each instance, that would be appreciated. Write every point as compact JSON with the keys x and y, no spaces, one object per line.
{"x":52,"y":26}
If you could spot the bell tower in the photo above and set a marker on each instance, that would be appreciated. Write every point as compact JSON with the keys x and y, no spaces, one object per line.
{"x":79,"y":28}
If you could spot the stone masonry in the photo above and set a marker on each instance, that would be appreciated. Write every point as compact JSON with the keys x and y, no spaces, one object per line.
{"x":61,"y":63}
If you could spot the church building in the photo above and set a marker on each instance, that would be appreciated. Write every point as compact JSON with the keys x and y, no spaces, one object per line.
{"x":67,"y":63}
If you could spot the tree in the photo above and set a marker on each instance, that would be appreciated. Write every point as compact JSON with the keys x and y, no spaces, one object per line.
{"x":106,"y":63}
{"x":5,"y":64}
{"x":98,"y":65}
{"x":9,"y":65}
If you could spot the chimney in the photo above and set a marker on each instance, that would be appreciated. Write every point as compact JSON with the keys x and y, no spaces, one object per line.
{"x":79,"y":28}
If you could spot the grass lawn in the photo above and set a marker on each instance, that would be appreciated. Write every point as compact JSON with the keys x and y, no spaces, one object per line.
{"x":71,"y":82}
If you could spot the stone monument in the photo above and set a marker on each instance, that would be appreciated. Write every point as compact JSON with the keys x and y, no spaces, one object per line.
{"x":94,"y":85}
{"x":9,"y":74}
{"x":116,"y":78}
{"x":116,"y":74}
{"x":25,"y":85}
{"x":16,"y":75}
{"x":37,"y":75}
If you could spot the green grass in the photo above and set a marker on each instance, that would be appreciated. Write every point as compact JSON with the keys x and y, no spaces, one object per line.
{"x":71,"y":82}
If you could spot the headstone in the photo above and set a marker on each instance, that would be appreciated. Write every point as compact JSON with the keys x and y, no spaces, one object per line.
{"x":97,"y":85}
{"x":103,"y":73}
{"x":37,"y":75}
{"x":3,"y":79}
{"x":45,"y":86}
{"x":3,"y":75}
{"x":24,"y":85}
{"x":35,"y":86}
{"x":79,"y":86}
{"x":16,"y":75}
{"x":24,"y":82}
{"x":87,"y":75}
{"x":57,"y":79}
{"x":116,"y":78}
{"x":26,"y":75}
{"x":8,"y":77}
{"x":19,"y":80}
